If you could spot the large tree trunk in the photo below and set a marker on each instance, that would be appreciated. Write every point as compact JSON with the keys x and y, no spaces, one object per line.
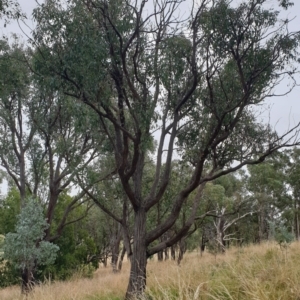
{"x":137,"y":279}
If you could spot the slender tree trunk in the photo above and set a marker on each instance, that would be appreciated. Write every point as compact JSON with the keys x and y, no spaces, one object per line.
{"x":203,"y":243}
{"x":173,"y":252}
{"x":27,"y":281}
{"x":220,"y":234}
{"x":137,"y":279}
{"x":115,"y":249}
{"x":115,"y":257}
{"x":261,"y":222}
{"x":105,"y":260}
{"x":22,"y":179}
{"x":296,"y":220}
{"x":166,"y":253}
{"x":182,"y":250}
{"x":121,"y":258}
{"x":160,"y":256}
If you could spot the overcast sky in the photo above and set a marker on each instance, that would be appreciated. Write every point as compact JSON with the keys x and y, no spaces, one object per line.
{"x":285,"y":111}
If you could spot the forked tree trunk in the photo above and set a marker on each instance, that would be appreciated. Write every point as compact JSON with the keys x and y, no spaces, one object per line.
{"x":137,"y":279}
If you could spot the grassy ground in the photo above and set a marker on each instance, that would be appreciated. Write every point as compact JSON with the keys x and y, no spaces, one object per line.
{"x":262,"y":272}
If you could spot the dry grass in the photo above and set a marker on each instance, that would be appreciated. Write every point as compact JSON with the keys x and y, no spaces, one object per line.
{"x":103,"y":285}
{"x":254,"y":273}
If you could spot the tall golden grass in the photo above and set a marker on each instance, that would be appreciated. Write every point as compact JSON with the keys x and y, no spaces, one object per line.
{"x":261,"y":272}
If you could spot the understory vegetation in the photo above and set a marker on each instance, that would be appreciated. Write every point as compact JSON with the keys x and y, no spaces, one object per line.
{"x":264,"y":272}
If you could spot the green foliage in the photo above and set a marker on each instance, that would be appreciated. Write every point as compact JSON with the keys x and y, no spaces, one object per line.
{"x":9,"y":209}
{"x":283,"y":236}
{"x":285,"y":3}
{"x":26,"y":248}
{"x":1,"y":242}
{"x":78,"y":252}
{"x":9,"y":275}
{"x":10,"y":9}
{"x":75,"y":256}
{"x":14,"y":77}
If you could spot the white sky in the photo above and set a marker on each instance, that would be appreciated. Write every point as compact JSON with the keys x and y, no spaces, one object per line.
{"x":285,"y":111}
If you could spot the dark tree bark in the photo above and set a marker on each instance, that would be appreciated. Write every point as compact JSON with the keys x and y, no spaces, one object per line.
{"x":160,"y":256}
{"x":27,"y":281}
{"x":137,"y":279}
{"x":204,"y":240}
{"x":173,"y":252}
{"x":182,"y":250}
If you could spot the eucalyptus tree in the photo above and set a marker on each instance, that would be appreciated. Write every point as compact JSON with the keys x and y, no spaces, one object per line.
{"x":267,"y":187}
{"x":25,"y":248}
{"x":289,"y":164}
{"x":9,"y":209}
{"x":189,"y":82}
{"x":228,"y":204}
{"x":42,"y":145}
{"x":15,"y":97}
{"x":109,"y":197}
{"x":65,"y":146}
{"x":45,"y":142}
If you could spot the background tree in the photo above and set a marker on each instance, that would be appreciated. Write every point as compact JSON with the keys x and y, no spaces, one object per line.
{"x":291,"y":207}
{"x":15,"y":96}
{"x":78,"y":252}
{"x":26,"y":247}
{"x":45,"y":141}
{"x":266,"y":184}
{"x":9,"y":209}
